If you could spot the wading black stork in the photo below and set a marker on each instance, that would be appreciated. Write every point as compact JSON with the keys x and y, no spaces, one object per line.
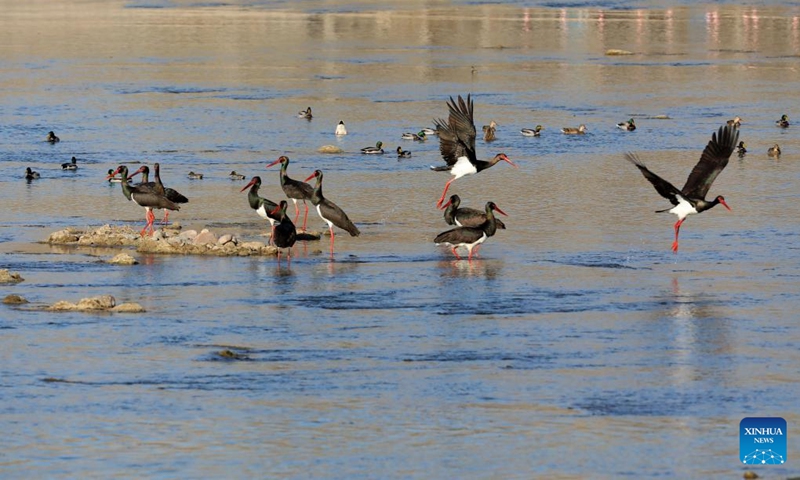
{"x":457,"y":144}
{"x":465,"y":217}
{"x":470,"y":237}
{"x":284,"y":233}
{"x":144,"y":197}
{"x":690,"y":199}
{"x":294,"y":189}
{"x":261,"y":205}
{"x":329,"y":211}
{"x":171,"y":194}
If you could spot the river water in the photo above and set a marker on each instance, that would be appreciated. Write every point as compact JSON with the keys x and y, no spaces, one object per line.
{"x":576,"y":346}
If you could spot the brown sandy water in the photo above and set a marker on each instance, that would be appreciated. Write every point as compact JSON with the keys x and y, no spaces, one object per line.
{"x":576,"y":346}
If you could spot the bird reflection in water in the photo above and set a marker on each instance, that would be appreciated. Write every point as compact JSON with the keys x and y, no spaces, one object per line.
{"x":476,"y":268}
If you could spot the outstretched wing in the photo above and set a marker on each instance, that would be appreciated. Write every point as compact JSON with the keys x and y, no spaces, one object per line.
{"x":457,"y":135}
{"x":714,"y":158}
{"x":663,"y":187}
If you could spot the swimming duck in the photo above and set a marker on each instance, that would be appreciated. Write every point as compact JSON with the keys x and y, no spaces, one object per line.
{"x":774,"y":151}
{"x":574,"y":131}
{"x":71,"y":165}
{"x":51,"y":137}
{"x":403,"y":153}
{"x":741,"y":149}
{"x":376,"y":150}
{"x":30,"y":174}
{"x":195,"y":176}
{"x":429,"y":131}
{"x":417,"y":137}
{"x":783,"y":122}
{"x":305,"y":114}
{"x":489,"y":131}
{"x":532,"y":132}
{"x":113,"y":178}
{"x":735,"y":122}
{"x":629,"y":125}
{"x":236,"y":176}
{"x":340,"y":130}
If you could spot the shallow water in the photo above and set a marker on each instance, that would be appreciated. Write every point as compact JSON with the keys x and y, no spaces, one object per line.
{"x":576,"y":346}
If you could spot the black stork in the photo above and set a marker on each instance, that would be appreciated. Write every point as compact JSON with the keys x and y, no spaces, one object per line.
{"x":690,"y":199}
{"x":294,"y":189}
{"x":329,"y":211}
{"x":284,"y":234}
{"x":261,"y":205}
{"x":171,"y":194}
{"x":144,"y":197}
{"x":470,"y":237}
{"x":457,"y":144}
{"x":466,"y":217}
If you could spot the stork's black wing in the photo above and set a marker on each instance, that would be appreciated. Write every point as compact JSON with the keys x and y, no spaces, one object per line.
{"x":457,"y":135}
{"x":663,"y":187}
{"x":714,"y":158}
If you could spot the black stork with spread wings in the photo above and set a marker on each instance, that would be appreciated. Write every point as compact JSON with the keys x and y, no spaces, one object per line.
{"x":457,"y":144}
{"x":690,"y":199}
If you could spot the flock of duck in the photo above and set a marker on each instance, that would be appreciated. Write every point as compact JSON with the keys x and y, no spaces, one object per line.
{"x":457,"y":137}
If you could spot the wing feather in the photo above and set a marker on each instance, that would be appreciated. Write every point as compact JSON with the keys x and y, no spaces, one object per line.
{"x":663,"y":187}
{"x":713,"y":160}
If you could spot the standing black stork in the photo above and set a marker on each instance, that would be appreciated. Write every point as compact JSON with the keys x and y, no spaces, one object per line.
{"x":470,"y":237}
{"x":144,"y":197}
{"x":457,"y":144}
{"x":329,"y":211}
{"x":691,"y":199}
{"x":261,"y":205}
{"x":284,"y":233}
{"x":171,"y":194}
{"x":466,"y":217}
{"x":294,"y":189}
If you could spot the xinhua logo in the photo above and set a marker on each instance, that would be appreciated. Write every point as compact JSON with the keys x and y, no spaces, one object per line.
{"x":762,"y":441}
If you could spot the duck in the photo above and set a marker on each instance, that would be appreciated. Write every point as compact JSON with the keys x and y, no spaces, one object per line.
{"x":30,"y":174}
{"x":574,"y":131}
{"x":236,"y":176}
{"x":71,"y":165}
{"x":735,"y":122}
{"x":628,"y":126}
{"x":376,"y":150}
{"x":340,"y":129}
{"x":113,"y":178}
{"x":532,"y":132}
{"x":429,"y":131}
{"x":741,"y":149}
{"x":489,"y":131}
{"x":51,"y":137}
{"x":782,"y":122}
{"x":417,"y":137}
{"x":305,"y":114}
{"x":403,"y":153}
{"x":195,"y":176}
{"x":774,"y":151}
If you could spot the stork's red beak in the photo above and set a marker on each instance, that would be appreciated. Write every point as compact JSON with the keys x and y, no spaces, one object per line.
{"x":312,"y":176}
{"x":112,"y":174}
{"x":504,"y":157}
{"x":497,"y":209}
{"x":445,"y":205}
{"x":274,"y":163}
{"x":725,"y":205}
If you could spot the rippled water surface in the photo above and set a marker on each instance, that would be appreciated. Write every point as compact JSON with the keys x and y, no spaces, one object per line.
{"x":575,"y":346}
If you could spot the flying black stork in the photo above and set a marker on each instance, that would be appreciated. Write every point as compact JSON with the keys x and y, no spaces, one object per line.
{"x":284,"y":233}
{"x":144,"y":197}
{"x":457,"y":144}
{"x":465,"y":217}
{"x":690,"y":199}
{"x":261,"y":205}
{"x":470,"y":237}
{"x":329,"y":211}
{"x":294,"y":189}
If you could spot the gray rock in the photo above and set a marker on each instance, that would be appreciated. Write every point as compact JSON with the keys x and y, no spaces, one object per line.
{"x":10,"y":277}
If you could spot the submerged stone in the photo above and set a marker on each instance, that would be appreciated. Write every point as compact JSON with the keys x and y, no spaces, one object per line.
{"x":14,"y":300}
{"x":123,"y":259}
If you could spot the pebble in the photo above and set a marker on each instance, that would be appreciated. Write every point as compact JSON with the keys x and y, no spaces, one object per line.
{"x":10,"y":277}
{"x":123,"y":259}
{"x":14,"y":300}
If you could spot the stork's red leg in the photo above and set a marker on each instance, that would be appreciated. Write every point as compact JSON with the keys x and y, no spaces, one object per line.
{"x":677,"y":230}
{"x":331,"y":230}
{"x":446,"y":186}
{"x":296,"y":211}
{"x":456,"y":254}
{"x":305,"y":218}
